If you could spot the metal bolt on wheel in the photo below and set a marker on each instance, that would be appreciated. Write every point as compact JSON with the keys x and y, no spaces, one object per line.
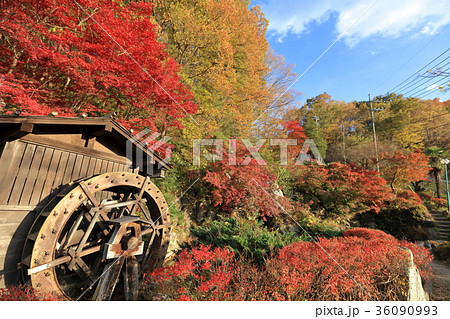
{"x":95,"y":238}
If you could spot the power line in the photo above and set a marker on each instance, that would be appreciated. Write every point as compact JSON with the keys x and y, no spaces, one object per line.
{"x":400,"y":85}
{"x":431,"y":87}
{"x":417,"y":88}
{"x":423,"y":77}
{"x":412,"y":57}
{"x":425,"y":121}
{"x":436,"y":86}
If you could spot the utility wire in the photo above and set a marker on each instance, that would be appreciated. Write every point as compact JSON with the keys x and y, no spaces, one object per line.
{"x":430,"y":87}
{"x":412,"y":57}
{"x":400,"y":85}
{"x":423,"y":77}
{"x":437,"y":87}
{"x":425,"y":121}
{"x":425,"y":80}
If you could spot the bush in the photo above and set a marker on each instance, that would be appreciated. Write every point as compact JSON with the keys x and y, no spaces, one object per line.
{"x":246,"y":238}
{"x":442,"y":250}
{"x":310,"y":271}
{"x":347,"y":268}
{"x":24,"y":293}
{"x":431,"y":202}
{"x":204,"y":273}
{"x":409,"y":223}
{"x":367,"y":233}
{"x":339,"y":191}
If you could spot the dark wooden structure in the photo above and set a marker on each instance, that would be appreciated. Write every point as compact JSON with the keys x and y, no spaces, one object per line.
{"x":74,"y":194}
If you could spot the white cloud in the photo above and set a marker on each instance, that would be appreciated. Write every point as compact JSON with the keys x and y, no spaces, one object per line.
{"x":387,"y":18}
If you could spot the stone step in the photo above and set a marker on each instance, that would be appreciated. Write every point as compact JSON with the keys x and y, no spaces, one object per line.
{"x":442,"y":224}
{"x":441,"y":217}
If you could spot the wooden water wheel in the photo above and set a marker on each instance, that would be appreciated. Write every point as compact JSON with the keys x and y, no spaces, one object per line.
{"x":96,"y":238}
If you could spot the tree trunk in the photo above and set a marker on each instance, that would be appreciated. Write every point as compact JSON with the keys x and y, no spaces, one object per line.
{"x":437,"y":182}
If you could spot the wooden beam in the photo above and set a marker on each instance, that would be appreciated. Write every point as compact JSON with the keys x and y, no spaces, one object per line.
{"x":42,"y":140}
{"x":17,"y":131}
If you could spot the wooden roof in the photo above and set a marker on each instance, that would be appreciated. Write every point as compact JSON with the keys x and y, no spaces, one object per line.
{"x":102,"y":128}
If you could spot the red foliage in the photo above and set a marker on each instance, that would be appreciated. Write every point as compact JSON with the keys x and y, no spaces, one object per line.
{"x":348,"y":268}
{"x":367,"y":233}
{"x":401,"y":168}
{"x":294,"y":130}
{"x":24,"y":293}
{"x":205,"y":270}
{"x":101,"y":56}
{"x":377,"y":268}
{"x":407,"y":198}
{"x":438,"y":201}
{"x":245,"y":187}
{"x":339,"y":189}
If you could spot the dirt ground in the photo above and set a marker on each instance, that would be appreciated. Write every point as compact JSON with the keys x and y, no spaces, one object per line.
{"x":440,"y":285}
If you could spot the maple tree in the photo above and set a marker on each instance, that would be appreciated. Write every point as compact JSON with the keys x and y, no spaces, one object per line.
{"x":89,"y":56}
{"x":246,"y":186}
{"x":339,"y":191}
{"x":400,"y":168}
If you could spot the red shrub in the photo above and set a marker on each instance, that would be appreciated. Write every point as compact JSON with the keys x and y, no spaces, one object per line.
{"x":439,"y":201}
{"x":24,"y":293}
{"x":203,"y":274}
{"x":348,"y":268}
{"x":340,"y":191}
{"x":367,"y":233}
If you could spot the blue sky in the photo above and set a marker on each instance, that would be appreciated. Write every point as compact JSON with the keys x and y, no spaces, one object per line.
{"x":385,"y":42}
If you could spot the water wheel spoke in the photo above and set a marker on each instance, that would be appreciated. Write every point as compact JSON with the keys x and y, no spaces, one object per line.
{"x":83,"y":266}
{"x":144,"y":211}
{"x":64,"y":260}
{"x":126,"y":197}
{"x":72,"y":230}
{"x":89,"y":194}
{"x":88,"y":232}
{"x":139,"y":197}
{"x":147,"y":252}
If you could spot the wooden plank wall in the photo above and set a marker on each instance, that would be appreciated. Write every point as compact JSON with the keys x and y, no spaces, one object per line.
{"x":30,"y":175}
{"x":33,"y":172}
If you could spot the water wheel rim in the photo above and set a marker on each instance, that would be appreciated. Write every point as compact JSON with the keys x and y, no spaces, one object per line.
{"x":45,"y":279}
